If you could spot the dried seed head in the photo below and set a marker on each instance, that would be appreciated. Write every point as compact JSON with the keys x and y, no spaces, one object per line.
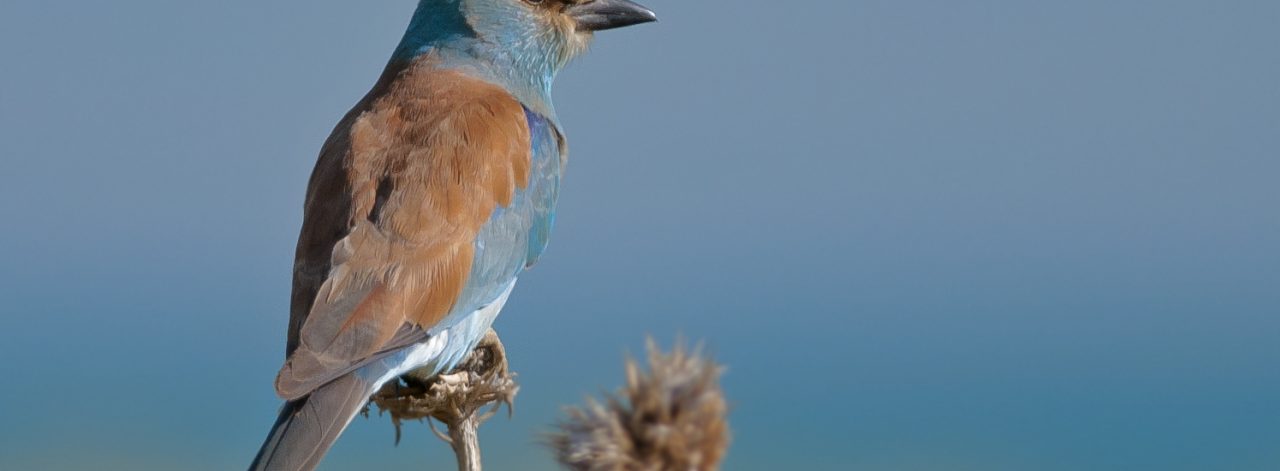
{"x":671,"y":417}
{"x":479,"y":381}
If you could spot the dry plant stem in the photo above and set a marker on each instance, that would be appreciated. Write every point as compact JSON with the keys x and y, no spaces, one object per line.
{"x":464,"y":437}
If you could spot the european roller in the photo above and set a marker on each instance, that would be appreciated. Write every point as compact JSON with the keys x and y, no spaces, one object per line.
{"x":428,"y":200}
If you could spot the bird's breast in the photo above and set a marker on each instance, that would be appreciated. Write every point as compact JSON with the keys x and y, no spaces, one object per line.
{"x":516,"y":235}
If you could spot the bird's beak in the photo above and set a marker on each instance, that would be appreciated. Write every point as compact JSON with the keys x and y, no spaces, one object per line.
{"x":599,"y":15}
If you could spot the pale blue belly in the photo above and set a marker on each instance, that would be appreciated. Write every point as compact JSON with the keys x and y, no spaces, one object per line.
{"x":444,"y":349}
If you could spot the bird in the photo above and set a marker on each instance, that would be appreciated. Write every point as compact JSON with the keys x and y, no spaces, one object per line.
{"x":428,"y":200}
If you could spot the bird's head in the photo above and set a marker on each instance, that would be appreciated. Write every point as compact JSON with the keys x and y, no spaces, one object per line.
{"x":559,"y":30}
{"x":527,"y":40}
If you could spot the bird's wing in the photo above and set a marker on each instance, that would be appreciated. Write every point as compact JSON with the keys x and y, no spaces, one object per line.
{"x":427,"y":164}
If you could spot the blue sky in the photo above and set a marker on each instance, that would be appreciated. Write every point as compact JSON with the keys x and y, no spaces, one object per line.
{"x":923,"y":235}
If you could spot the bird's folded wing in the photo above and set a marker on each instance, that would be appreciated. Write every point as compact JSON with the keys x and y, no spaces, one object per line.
{"x":428,"y":163}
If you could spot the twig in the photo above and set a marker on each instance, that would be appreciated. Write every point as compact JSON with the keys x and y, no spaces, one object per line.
{"x":465,"y":440}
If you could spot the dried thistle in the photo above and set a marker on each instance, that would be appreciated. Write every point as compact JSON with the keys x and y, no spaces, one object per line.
{"x":668,"y":418}
{"x":456,"y":398}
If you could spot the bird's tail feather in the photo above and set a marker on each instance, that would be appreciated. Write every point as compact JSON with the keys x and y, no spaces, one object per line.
{"x":308,"y":426}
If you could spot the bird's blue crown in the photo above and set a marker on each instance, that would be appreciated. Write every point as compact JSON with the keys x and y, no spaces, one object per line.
{"x":510,"y":42}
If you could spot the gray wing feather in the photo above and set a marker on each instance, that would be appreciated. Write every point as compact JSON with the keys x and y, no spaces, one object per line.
{"x":308,"y":427}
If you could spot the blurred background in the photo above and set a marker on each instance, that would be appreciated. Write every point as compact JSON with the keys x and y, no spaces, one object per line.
{"x":924,"y":235}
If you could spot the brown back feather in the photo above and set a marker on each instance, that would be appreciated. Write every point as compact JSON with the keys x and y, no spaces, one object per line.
{"x":426,"y":164}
